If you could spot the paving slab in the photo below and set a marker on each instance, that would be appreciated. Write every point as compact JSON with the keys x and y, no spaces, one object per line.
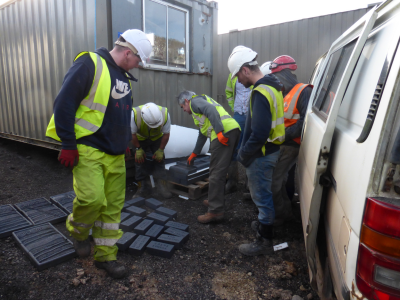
{"x":177,"y":225}
{"x":40,"y":211}
{"x":157,"y":218}
{"x":137,"y":201}
{"x":172,"y":214}
{"x":155,"y":231}
{"x":153,"y":203}
{"x":177,"y":232}
{"x":64,"y":201}
{"x":160,"y":249}
{"x":11,"y":220}
{"x":130,"y":223}
{"x":139,"y":245}
{"x":177,"y":241}
{"x":136,"y":211}
{"x":126,"y":240}
{"x":143,"y":227}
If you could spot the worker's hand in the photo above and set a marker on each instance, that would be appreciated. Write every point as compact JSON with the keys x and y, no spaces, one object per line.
{"x":139,"y":156}
{"x":222,"y":139}
{"x":191,"y":159}
{"x":68,"y":158}
{"x":128,"y":152}
{"x":159,"y":155}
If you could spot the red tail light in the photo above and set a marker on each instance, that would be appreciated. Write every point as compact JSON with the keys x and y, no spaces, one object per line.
{"x":378,"y":264}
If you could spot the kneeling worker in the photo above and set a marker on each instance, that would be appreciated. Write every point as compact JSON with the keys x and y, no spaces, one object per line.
{"x":150,"y":126}
{"x":224,"y":132}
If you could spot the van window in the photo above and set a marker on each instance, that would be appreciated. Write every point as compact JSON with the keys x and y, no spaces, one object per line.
{"x":331,"y":79}
{"x":361,"y":101}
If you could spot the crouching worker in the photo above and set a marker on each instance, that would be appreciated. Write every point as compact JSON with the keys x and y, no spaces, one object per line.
{"x":92,"y":115}
{"x":224,"y":132}
{"x":150,"y":125}
{"x":259,"y":152}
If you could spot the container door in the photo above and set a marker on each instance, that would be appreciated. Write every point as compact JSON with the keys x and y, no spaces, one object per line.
{"x":331,"y":84}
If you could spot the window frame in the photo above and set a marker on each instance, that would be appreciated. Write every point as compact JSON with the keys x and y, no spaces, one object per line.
{"x":168,"y":68}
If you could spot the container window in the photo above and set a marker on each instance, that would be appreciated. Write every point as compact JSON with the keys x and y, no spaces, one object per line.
{"x":166,"y":26}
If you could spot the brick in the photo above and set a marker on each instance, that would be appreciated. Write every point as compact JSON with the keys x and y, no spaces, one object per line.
{"x":130,"y":223}
{"x":172,"y":214}
{"x":139,"y":245}
{"x":160,"y":249}
{"x":157,"y":218}
{"x":177,"y":232}
{"x":126,"y":205}
{"x":136,"y":211}
{"x":177,"y":241}
{"x":138,"y":201}
{"x":126,"y":240}
{"x":124,"y":216}
{"x":143,"y":227}
{"x":177,"y":225}
{"x":155,"y":231}
{"x":153,"y":203}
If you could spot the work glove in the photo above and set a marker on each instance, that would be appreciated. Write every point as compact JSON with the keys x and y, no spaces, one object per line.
{"x":191,"y":159}
{"x":68,"y":158}
{"x":159,"y":155}
{"x":139,"y":156}
{"x":222,"y":139}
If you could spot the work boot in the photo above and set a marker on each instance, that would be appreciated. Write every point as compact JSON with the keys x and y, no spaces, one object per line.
{"x":262,"y":245}
{"x":144,"y":189}
{"x":82,"y":248}
{"x":233,"y":175}
{"x":163,"y":190}
{"x":210,"y":217}
{"x":113,"y":268}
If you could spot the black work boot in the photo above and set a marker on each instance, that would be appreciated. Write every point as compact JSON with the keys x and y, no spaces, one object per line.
{"x":163,"y":190}
{"x":113,"y":268}
{"x":144,"y":189}
{"x":82,"y":248}
{"x":262,"y":245}
{"x":233,"y":175}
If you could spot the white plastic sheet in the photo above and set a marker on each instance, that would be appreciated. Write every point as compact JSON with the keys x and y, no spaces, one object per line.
{"x":182,"y":141}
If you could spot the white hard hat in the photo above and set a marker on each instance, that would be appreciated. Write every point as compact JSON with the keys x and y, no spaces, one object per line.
{"x":239,"y":56}
{"x":151,"y":115}
{"x":265,"y":68}
{"x":139,"y":40}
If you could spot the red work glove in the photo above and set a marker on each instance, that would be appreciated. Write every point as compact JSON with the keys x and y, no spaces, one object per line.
{"x":68,"y":158}
{"x":222,"y":139}
{"x":191,"y":158}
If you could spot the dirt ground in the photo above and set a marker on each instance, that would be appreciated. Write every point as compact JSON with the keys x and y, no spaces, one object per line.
{"x":208,"y":267}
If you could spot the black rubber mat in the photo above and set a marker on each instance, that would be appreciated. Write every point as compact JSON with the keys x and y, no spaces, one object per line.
{"x":44,"y":245}
{"x":11,"y":220}
{"x":40,"y":211}
{"x":64,"y":201}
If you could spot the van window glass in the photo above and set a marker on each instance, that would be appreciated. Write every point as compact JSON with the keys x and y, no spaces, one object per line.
{"x":362,"y":97}
{"x":332,"y":77}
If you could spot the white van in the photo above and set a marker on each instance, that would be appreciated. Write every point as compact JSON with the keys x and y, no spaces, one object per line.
{"x":348,"y":173}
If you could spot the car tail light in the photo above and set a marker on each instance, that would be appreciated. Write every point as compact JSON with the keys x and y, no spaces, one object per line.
{"x":378,"y":264}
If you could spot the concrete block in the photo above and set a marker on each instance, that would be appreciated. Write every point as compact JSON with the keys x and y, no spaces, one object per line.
{"x":138,"y":201}
{"x":155,"y":231}
{"x":177,"y":232}
{"x":139,"y":245}
{"x":136,"y":211}
{"x":126,"y":205}
{"x":177,"y":225}
{"x":153,"y":203}
{"x":126,"y":240}
{"x":124,"y":216}
{"x":172,"y":214}
{"x":177,"y":241}
{"x":160,"y":249}
{"x":130,"y":223}
{"x":143,"y":227}
{"x":157,"y":218}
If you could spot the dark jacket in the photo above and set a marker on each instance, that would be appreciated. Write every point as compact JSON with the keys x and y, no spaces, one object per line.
{"x":258,"y":127}
{"x":115,"y":133}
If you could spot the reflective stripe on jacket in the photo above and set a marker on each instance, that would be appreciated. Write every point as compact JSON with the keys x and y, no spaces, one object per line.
{"x":90,"y":113}
{"x":291,"y":114}
{"x":275,"y":99}
{"x":142,"y":128}
{"x":204,"y":123}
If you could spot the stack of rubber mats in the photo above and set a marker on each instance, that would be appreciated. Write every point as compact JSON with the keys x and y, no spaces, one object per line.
{"x":183,"y":174}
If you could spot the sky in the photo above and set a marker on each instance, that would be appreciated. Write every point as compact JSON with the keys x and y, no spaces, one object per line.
{"x":245,"y":14}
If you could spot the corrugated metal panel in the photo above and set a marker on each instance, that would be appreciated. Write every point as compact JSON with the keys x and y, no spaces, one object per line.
{"x":305,"y":40}
{"x":38,"y":42}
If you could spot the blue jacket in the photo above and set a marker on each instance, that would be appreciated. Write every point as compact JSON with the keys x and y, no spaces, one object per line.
{"x":257,"y":128}
{"x":115,"y":133}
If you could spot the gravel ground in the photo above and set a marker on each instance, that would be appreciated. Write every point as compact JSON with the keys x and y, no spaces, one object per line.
{"x":208,"y":267}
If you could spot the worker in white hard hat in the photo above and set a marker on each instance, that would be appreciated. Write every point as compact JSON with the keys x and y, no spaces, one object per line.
{"x":92,"y":115}
{"x":150,"y":127}
{"x":265,"y":68}
{"x":263,"y":133}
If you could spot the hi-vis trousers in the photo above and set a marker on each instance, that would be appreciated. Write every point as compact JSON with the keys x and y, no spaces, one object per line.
{"x":99,"y":184}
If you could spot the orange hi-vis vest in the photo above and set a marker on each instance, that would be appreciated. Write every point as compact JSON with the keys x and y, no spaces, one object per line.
{"x":291,"y":114}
